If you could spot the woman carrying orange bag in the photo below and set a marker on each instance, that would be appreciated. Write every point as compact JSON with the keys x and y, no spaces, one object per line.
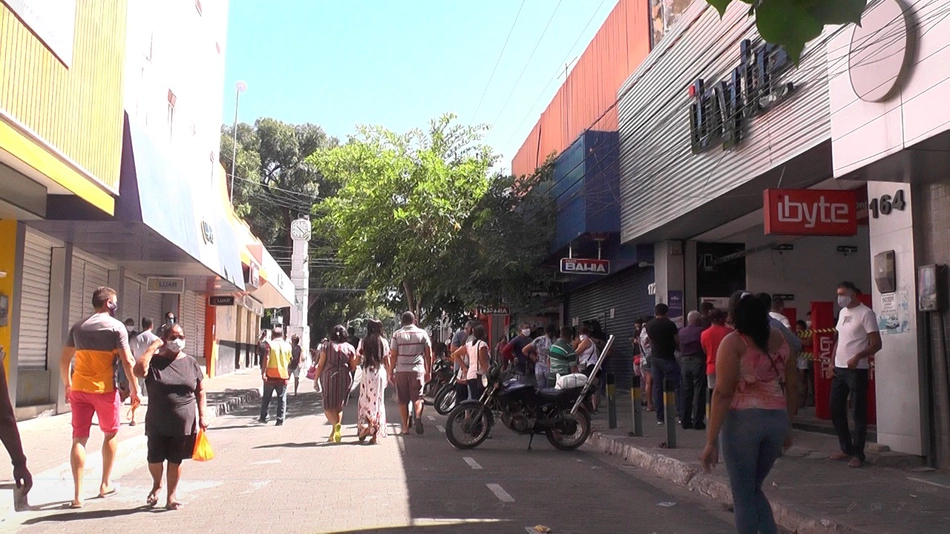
{"x":175,"y":393}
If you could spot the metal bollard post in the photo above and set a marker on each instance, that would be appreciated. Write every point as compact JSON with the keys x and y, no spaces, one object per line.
{"x":637,"y":413}
{"x":611,"y":401}
{"x":669,"y":405}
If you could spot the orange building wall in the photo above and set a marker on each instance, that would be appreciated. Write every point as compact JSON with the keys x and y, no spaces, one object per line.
{"x":586,"y":100}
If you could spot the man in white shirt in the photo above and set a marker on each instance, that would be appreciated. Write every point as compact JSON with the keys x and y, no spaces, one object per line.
{"x":778,"y":305}
{"x":859,"y":338}
{"x":140,"y":343}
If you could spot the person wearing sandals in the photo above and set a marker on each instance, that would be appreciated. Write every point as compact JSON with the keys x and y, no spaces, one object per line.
{"x":752,"y":406}
{"x":373,"y":351}
{"x":175,"y":394}
{"x":335,"y":367}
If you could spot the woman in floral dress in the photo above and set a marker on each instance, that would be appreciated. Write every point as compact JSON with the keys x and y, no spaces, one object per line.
{"x":374,"y":352}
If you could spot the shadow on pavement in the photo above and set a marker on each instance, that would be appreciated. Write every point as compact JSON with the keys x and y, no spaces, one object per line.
{"x":86,"y":515}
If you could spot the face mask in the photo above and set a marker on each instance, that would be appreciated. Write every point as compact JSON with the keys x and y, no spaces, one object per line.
{"x":112,"y":308}
{"x":526,"y":332}
{"x":583,"y":338}
{"x":175,"y":345}
{"x":170,"y":320}
{"x":844,"y":301}
{"x":129,"y":328}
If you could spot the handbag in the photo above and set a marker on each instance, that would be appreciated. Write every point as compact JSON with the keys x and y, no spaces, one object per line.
{"x":203,"y":451}
{"x":312,"y":372}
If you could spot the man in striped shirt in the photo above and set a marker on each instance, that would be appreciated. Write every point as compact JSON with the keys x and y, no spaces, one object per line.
{"x":90,"y":387}
{"x":411,"y":354}
{"x":562,"y":357}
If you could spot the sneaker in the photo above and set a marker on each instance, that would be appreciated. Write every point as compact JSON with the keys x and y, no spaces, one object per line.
{"x":659,"y":423}
{"x":262,"y":421}
{"x":699,"y":426}
{"x":419,"y":427}
{"x":280,"y":422}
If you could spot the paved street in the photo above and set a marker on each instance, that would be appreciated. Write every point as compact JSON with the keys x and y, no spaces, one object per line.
{"x":286,"y":479}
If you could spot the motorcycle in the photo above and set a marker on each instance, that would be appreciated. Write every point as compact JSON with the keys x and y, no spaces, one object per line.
{"x":445,"y":399}
{"x":442,"y":372}
{"x":559,"y":414}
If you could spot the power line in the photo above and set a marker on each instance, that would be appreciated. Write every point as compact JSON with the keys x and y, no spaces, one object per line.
{"x":530,"y":57}
{"x":497,"y":62}
{"x":556,"y":74}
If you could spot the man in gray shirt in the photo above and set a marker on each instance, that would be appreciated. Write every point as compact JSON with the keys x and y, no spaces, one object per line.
{"x":411,"y":356}
{"x":140,"y":343}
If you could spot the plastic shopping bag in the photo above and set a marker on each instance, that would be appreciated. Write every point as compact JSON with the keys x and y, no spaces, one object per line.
{"x":203,"y":451}
{"x":570,"y":381}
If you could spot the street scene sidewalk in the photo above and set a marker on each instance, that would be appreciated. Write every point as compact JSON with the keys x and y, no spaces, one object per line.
{"x":809,"y":493}
{"x":46,"y":440}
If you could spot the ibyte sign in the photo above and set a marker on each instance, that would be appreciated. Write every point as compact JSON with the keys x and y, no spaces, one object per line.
{"x":810,"y":212}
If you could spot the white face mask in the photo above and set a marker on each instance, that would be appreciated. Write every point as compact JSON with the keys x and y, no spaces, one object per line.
{"x":583,"y":337}
{"x":844,"y":301}
{"x":526,"y":332}
{"x":175,"y":345}
{"x":129,"y":328}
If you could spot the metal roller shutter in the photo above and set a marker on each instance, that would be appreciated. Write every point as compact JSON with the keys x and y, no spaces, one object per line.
{"x":86,"y":278}
{"x":193,"y":319}
{"x":130,"y":302}
{"x":152,"y":307}
{"x":626,"y":294}
{"x":34,"y":304}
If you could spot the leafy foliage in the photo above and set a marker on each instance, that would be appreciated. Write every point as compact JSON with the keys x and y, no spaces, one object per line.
{"x":793,"y":23}
{"x":420,"y":220}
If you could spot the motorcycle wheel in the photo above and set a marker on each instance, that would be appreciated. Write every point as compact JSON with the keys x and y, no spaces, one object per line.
{"x":468,"y":426}
{"x":445,"y":399}
{"x":572,"y":432}
{"x":429,"y":391}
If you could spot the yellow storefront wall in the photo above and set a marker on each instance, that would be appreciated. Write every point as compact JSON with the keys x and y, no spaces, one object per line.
{"x":76,"y":111}
{"x":8,"y":229}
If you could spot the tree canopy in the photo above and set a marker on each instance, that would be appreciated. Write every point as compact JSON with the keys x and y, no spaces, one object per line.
{"x":791,"y":24}
{"x":421,"y":221}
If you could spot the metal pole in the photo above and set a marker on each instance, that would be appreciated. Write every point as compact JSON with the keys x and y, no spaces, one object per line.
{"x":237,"y":98}
{"x":611,"y":401}
{"x":590,"y":383}
{"x":669,"y":405}
{"x":637,"y":409}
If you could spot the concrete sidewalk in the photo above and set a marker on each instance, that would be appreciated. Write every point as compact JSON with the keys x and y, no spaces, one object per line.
{"x":46,"y":440}
{"x":809,"y":493}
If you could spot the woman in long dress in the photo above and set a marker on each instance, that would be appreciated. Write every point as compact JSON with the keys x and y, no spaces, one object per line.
{"x":374,"y":352}
{"x":335,"y":373}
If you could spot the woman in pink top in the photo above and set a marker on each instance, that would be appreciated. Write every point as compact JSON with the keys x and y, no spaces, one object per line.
{"x":752,"y":405}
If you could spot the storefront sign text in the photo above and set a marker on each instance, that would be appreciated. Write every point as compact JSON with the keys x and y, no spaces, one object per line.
{"x":886,"y":204}
{"x":585,"y":266}
{"x":165,"y":285}
{"x":221,"y":300}
{"x":718,"y":114}
{"x":810,"y":212}
{"x":494,"y":310}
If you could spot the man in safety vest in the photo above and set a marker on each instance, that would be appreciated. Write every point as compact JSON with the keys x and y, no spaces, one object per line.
{"x":275,"y":360}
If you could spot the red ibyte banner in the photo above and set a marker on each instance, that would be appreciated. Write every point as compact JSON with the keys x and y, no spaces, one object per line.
{"x":810,"y":212}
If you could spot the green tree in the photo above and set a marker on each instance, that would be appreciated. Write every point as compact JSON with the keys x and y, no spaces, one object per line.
{"x":793,"y":23}
{"x":274,"y":180}
{"x":402,"y":202}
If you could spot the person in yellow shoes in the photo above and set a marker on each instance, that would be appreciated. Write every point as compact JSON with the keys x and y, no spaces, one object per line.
{"x":275,"y":362}
{"x":335,"y":367}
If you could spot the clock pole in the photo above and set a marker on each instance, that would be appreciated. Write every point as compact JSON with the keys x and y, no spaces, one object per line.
{"x":300,"y":275}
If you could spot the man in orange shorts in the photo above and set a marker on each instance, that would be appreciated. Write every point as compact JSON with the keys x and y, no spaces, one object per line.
{"x":90,"y":388}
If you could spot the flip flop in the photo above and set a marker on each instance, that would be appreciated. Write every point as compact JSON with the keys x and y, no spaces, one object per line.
{"x":110,"y":493}
{"x":72,"y":506}
{"x":174,"y":506}
{"x":151,"y":500}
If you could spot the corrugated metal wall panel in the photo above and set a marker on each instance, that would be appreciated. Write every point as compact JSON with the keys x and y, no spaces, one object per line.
{"x":661,"y":179}
{"x":587,"y":97}
{"x":130,"y":302}
{"x":77,"y":110}
{"x":87,"y":276}
{"x":193,"y":320}
{"x":34,"y":304}
{"x":625,"y":293}
{"x":152,"y":308}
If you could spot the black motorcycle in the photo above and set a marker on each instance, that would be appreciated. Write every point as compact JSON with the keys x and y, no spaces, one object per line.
{"x":524,"y":410}
{"x":559,"y":414}
{"x":442,"y":372}
{"x":445,"y":399}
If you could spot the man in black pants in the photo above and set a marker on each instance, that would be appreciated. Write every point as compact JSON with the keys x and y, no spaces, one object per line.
{"x":664,"y":340}
{"x":859,"y":338}
{"x":692,"y":362}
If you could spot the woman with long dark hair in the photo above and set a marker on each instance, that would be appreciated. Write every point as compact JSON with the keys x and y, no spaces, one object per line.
{"x":752,"y":406}
{"x":335,"y":368}
{"x":373,"y":351}
{"x":478,"y":361}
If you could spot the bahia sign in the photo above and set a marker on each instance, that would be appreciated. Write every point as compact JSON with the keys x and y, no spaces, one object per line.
{"x":584,"y":266}
{"x":810,"y":212}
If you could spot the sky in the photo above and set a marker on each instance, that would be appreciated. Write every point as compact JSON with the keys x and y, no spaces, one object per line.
{"x":401,"y":63}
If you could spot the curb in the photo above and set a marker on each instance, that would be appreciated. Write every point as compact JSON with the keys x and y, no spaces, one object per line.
{"x":692,"y":477}
{"x":129,"y":457}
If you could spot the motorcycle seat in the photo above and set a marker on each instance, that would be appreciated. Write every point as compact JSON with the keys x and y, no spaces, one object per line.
{"x":553,"y":394}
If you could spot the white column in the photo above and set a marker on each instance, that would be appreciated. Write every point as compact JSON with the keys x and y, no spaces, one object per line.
{"x":300,"y":276}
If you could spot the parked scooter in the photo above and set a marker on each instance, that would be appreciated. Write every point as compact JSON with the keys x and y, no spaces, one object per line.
{"x":441,"y":374}
{"x":559,"y":414}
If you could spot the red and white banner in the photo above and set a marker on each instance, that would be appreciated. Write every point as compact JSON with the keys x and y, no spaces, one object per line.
{"x":810,"y":212}
{"x":585,"y":266}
